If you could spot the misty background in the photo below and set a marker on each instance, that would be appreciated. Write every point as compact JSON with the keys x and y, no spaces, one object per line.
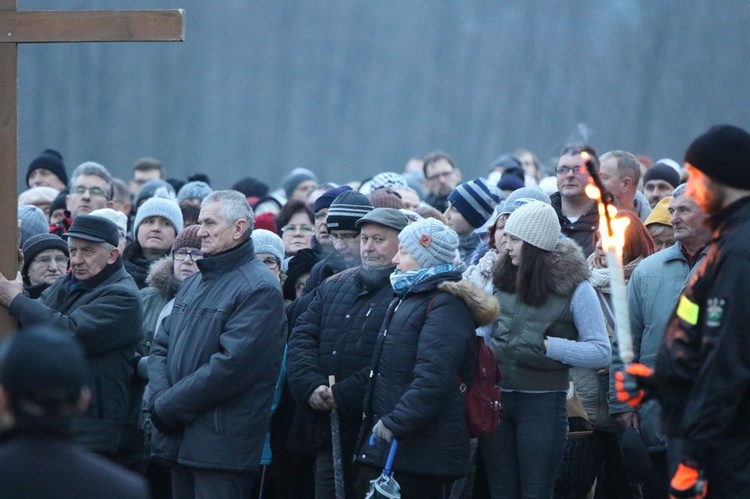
{"x":349,"y":88}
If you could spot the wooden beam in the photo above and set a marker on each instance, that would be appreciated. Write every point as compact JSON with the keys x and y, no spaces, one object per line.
{"x":8,"y":166}
{"x":92,"y":26}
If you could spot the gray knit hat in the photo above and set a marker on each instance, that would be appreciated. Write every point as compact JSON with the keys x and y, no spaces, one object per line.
{"x":430,"y":242}
{"x":159,"y":207}
{"x":535,"y":223}
{"x":294,"y":178}
{"x":346,"y":209}
{"x":265,"y":241}
{"x":475,"y":200}
{"x":194,"y":190}
{"x":528,"y":192}
{"x":33,"y":222}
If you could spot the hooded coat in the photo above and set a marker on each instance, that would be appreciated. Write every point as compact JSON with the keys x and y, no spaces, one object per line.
{"x":426,"y":344}
{"x":162,"y":288}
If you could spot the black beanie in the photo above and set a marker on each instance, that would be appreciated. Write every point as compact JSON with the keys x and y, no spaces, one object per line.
{"x":723,"y":153}
{"x":346,"y":209}
{"x":36,"y":244}
{"x":49,"y":160}
{"x":661,"y":171}
{"x":60,"y":202}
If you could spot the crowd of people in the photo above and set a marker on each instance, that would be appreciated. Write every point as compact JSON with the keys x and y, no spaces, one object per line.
{"x":251,"y":342}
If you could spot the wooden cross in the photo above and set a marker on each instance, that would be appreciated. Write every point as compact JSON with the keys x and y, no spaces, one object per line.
{"x":54,"y":27}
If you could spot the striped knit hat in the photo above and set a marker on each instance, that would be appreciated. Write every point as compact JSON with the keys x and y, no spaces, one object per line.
{"x":346,"y":209}
{"x":475,"y":200}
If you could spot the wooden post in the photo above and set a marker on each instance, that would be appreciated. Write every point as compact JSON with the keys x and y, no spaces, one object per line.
{"x":54,"y":27}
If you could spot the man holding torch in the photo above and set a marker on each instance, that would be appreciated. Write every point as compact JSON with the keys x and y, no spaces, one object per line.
{"x":702,"y":373}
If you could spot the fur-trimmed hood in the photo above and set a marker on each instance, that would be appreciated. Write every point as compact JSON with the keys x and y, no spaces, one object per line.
{"x":161,"y":277}
{"x":484,"y":306}
{"x":569,"y":268}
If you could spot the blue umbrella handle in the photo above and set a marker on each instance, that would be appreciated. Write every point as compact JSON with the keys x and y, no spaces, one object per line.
{"x":391,"y":453}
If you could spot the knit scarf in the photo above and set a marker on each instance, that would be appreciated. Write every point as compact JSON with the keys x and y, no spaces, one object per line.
{"x":403,"y":282}
{"x":599,"y":277}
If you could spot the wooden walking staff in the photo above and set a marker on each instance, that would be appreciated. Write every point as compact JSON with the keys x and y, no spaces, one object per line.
{"x":612,"y":231}
{"x":54,"y":27}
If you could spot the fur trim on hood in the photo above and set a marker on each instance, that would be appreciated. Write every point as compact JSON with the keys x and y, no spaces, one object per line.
{"x":569,"y":268}
{"x":484,"y":306}
{"x":161,"y":277}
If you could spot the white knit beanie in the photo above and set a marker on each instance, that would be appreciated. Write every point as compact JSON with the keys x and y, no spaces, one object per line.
{"x":430,"y":242}
{"x":535,"y":223}
{"x":159,"y":207}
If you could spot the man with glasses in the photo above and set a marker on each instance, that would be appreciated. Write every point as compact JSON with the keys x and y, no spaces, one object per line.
{"x":441,"y":177}
{"x":578,"y":214}
{"x":336,"y":336}
{"x":98,"y":304}
{"x":91,"y":189}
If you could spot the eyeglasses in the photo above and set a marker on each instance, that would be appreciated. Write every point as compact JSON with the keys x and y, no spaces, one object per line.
{"x":321,"y":215}
{"x":95,"y":191}
{"x":564,"y":170}
{"x":60,"y":260}
{"x":304,"y":229}
{"x":271,"y":263}
{"x":182,"y":254}
{"x":342,"y":237}
{"x":439,"y":175}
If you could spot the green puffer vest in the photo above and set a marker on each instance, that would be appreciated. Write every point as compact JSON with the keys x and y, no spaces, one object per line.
{"x":518,"y":342}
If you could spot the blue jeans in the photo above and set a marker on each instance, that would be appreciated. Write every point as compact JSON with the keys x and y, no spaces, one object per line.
{"x":522,"y":456}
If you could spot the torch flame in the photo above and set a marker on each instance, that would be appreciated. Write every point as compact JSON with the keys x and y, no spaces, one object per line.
{"x":611,"y":227}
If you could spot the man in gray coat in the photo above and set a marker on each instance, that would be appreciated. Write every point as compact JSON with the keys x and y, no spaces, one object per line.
{"x":653,"y":291}
{"x":215,"y":359}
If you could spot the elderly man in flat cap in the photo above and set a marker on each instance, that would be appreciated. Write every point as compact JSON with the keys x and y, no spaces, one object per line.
{"x":98,"y":304}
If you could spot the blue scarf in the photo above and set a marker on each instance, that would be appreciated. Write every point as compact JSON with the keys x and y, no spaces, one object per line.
{"x":403,"y":282}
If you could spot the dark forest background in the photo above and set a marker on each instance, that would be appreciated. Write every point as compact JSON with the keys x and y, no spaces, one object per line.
{"x":352,"y":87}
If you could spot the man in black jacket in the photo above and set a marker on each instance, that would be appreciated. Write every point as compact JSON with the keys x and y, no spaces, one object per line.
{"x":216,"y":358}
{"x":336,"y":336}
{"x":98,"y":304}
{"x":44,"y":380}
{"x":702,"y":372}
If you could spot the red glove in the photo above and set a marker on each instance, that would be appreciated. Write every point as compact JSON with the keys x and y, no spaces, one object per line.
{"x":687,"y":482}
{"x":633,"y":384}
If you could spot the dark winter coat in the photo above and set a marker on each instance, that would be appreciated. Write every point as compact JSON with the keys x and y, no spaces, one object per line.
{"x":582,"y":230}
{"x":162,"y":287}
{"x":426,"y":344}
{"x":36,"y":464}
{"x":104,"y":313}
{"x":703,"y":366}
{"x":215,"y":361}
{"x":336,"y":335}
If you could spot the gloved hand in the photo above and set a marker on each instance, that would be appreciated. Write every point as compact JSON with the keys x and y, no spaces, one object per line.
{"x":382,"y":432}
{"x":634,"y":384}
{"x":162,"y":425}
{"x":687,"y":482}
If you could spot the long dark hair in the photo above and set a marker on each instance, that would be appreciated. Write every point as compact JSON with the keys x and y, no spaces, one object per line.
{"x":530,"y":280}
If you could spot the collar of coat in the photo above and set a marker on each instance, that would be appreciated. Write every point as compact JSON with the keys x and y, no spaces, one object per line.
{"x":229,"y":260}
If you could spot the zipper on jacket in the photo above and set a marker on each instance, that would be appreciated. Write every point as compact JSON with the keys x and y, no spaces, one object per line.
{"x":364,"y":324}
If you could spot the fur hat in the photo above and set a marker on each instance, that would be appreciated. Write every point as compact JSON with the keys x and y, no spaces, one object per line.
{"x":159,"y":207}
{"x":475,"y":200}
{"x":49,"y":160}
{"x":723,"y":154}
{"x":38,"y":243}
{"x":535,"y":223}
{"x":33,"y":222}
{"x":194,"y":190}
{"x":346,"y":209}
{"x":188,"y":238}
{"x":660,"y":171}
{"x":265,"y":241}
{"x":430,"y":242}
{"x":294,"y":178}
